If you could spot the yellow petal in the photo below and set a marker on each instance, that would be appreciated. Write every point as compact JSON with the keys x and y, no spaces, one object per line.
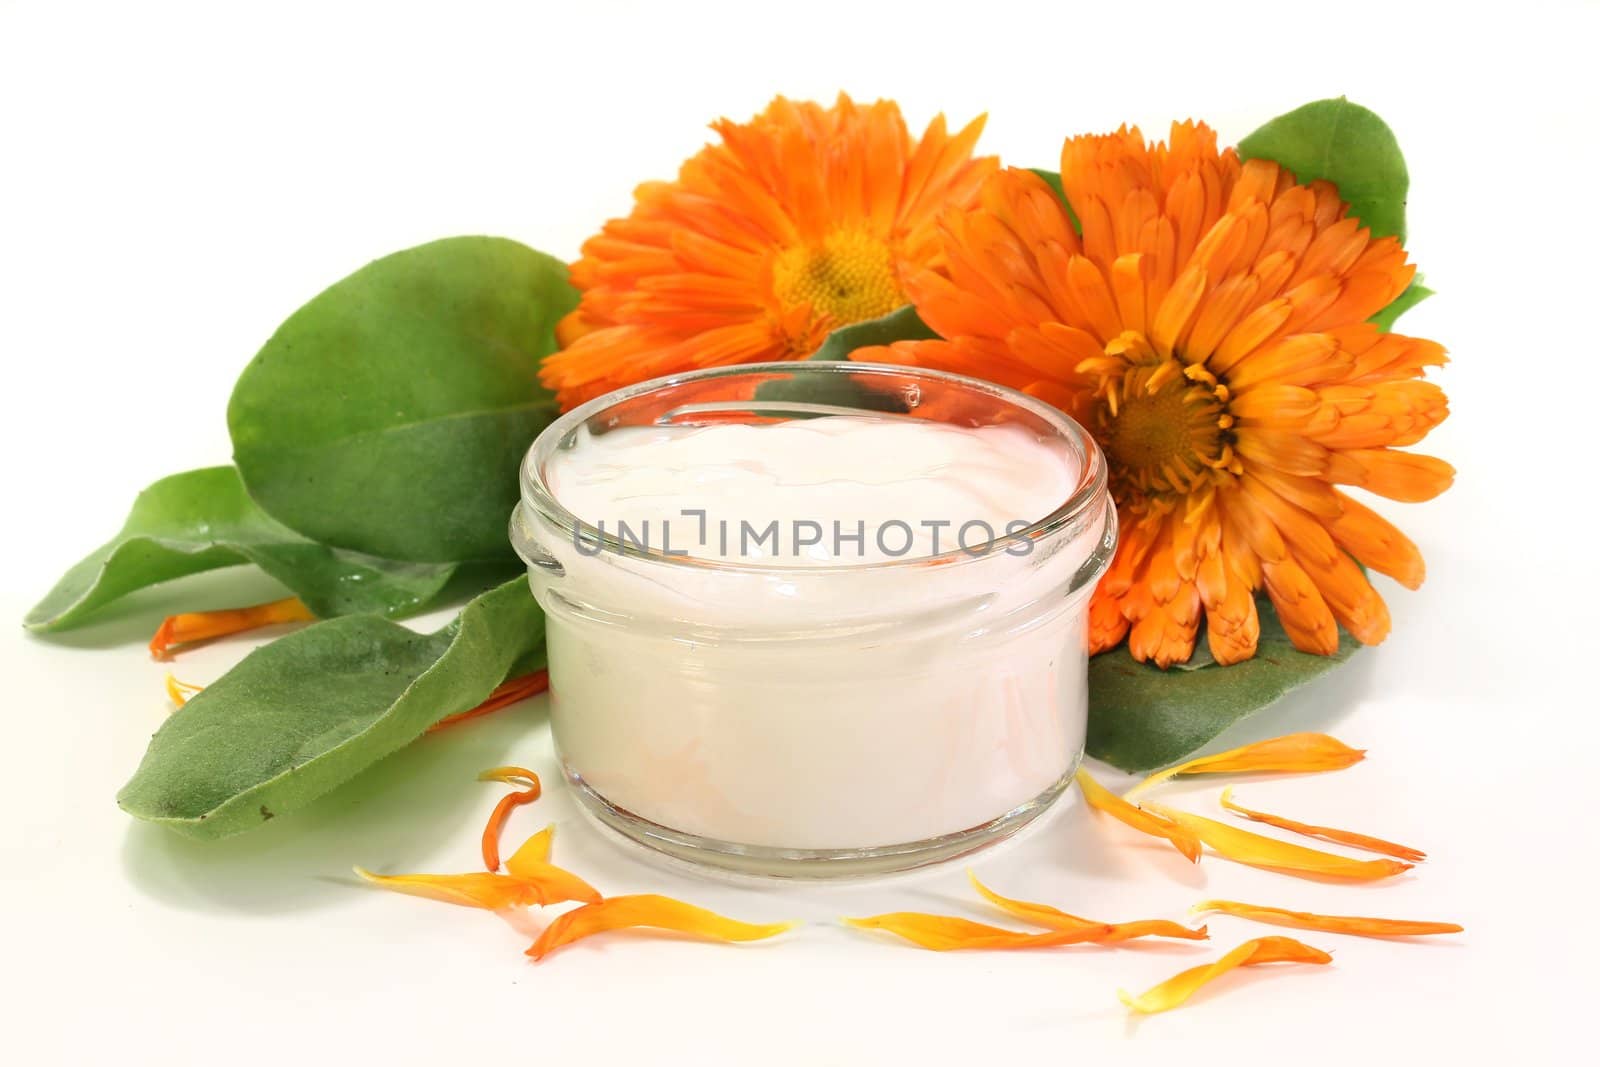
{"x":943,"y":933}
{"x":1055,"y":919}
{"x":517,"y":776}
{"x":1180,"y":987}
{"x":1359,"y":926}
{"x":535,"y":849}
{"x":1257,"y":850}
{"x":1303,"y":753}
{"x":551,"y":884}
{"x":1327,"y":833}
{"x":477,"y":889}
{"x":180,"y":692}
{"x":1098,"y":796}
{"x":651,"y":911}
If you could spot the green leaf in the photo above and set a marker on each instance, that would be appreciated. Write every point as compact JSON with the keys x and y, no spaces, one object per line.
{"x":311,"y":710}
{"x":1345,"y":144}
{"x":201,"y":520}
{"x":389,"y":414}
{"x":1142,"y":717}
{"x":903,"y":324}
{"x":1414,"y":294}
{"x":843,"y":390}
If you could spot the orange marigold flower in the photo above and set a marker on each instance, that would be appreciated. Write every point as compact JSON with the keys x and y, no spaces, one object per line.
{"x":802,"y":220}
{"x":1209,"y":326}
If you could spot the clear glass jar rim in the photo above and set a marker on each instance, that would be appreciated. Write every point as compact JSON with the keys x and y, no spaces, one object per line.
{"x":1089,"y":491}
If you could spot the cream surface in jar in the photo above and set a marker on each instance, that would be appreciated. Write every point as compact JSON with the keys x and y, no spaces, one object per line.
{"x":827,"y":636}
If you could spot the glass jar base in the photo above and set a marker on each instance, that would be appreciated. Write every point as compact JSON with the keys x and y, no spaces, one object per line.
{"x":814,"y":863}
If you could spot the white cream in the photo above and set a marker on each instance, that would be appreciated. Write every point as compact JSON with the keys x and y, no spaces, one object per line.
{"x":830,"y":698}
{"x":907,"y":486}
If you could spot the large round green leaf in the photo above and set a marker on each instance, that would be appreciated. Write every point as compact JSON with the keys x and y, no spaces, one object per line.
{"x":1345,"y":144}
{"x":389,"y":414}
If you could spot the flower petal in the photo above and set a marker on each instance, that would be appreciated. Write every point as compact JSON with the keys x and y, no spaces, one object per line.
{"x":518,"y":776}
{"x":1292,"y":753}
{"x":531,"y":865}
{"x":1256,"y":850}
{"x":1327,"y":833}
{"x":1180,"y":987}
{"x":1055,"y":919}
{"x":508,"y":803}
{"x":535,"y":849}
{"x":195,"y":626}
{"x":180,"y":692}
{"x":1358,"y":926}
{"x":1098,"y":796}
{"x":476,"y":889}
{"x":505,"y":695}
{"x":942,"y":933}
{"x":651,"y":911}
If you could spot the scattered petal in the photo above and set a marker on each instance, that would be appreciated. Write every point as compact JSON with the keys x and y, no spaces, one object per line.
{"x":517,"y":776}
{"x":1294,"y":753}
{"x":508,"y":803}
{"x":648,"y":910}
{"x":1257,"y":850}
{"x":1327,"y":833}
{"x":196,"y":626}
{"x":1098,"y":796}
{"x":476,"y":889}
{"x":1359,"y":926}
{"x":535,"y":849}
{"x":509,"y":693}
{"x":1180,"y":987}
{"x":943,"y":933}
{"x":1055,"y":919}
{"x":531,"y":864}
{"x":180,"y":692}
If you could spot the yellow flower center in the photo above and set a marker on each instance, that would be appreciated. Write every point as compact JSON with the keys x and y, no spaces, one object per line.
{"x":1164,"y":423}
{"x":850,"y":277}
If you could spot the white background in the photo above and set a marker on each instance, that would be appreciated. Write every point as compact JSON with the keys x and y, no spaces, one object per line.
{"x":175,"y":180}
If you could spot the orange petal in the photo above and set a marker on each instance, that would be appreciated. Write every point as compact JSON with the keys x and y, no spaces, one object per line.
{"x":519,"y":776}
{"x":535,"y":849}
{"x":1243,"y":846}
{"x":195,"y":626}
{"x":1105,"y":800}
{"x":497,"y":822}
{"x":943,"y":933}
{"x":1333,"y":924}
{"x":507,"y":694}
{"x":531,"y":864}
{"x":180,"y":692}
{"x":1303,"y":753}
{"x":476,"y":889}
{"x":651,"y":911}
{"x":1327,"y":833}
{"x":1055,"y":919}
{"x":1180,"y":987}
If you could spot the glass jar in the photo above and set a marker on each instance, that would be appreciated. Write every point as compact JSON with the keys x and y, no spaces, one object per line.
{"x":822,"y":719}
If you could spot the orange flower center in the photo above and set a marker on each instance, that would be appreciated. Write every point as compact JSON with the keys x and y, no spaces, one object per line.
{"x":1164,"y":423}
{"x":848,"y":278}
